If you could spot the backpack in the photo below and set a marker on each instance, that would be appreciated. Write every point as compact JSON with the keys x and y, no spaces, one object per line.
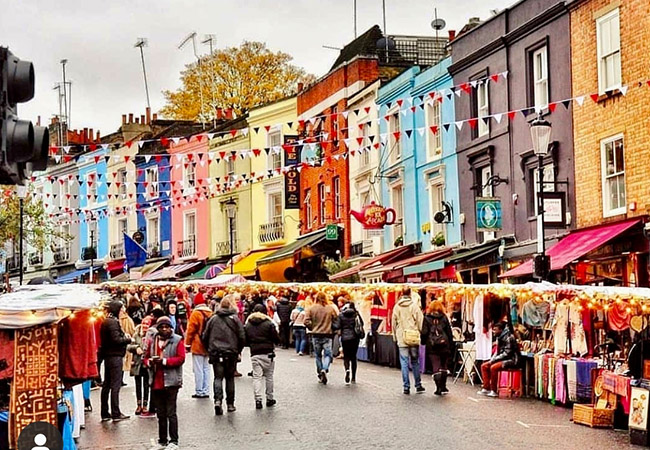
{"x":358,"y":327}
{"x":181,"y":309}
{"x":437,"y":337}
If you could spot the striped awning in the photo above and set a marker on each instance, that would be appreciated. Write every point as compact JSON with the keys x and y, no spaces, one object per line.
{"x":173,"y":272}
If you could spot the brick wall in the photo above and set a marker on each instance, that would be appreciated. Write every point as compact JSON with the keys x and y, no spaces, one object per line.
{"x":628,"y":114}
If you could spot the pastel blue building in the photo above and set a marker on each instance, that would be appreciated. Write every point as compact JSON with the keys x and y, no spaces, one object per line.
{"x":418,"y":169}
{"x":93,"y":197}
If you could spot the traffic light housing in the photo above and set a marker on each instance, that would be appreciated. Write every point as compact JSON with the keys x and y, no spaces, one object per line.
{"x":23,"y":146}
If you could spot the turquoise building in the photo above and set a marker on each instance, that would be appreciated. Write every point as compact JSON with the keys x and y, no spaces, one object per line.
{"x":418,"y":168}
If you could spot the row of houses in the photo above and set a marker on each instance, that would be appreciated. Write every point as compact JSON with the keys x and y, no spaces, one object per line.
{"x":436,"y":130}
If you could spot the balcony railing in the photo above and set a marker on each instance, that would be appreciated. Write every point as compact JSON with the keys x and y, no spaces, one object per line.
{"x":271,"y":232}
{"x":117,"y":251}
{"x":153,"y":249}
{"x":187,"y":248}
{"x":356,"y":249}
{"x":223,"y":248}
{"x":35,"y":259}
{"x":61,"y":254}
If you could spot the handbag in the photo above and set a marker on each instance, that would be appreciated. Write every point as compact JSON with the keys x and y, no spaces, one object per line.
{"x":358,"y":328}
{"x":411,"y":338}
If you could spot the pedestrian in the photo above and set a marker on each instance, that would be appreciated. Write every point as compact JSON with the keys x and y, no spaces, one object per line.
{"x":283,"y":310}
{"x":261,"y":337}
{"x":350,"y":326}
{"x":438,"y":340}
{"x":138,"y":370}
{"x":113,"y":349}
{"x":299,"y":331}
{"x":407,"y":325}
{"x":135,"y":310}
{"x":319,"y":319}
{"x":200,"y":361}
{"x":224,"y":338}
{"x":129,"y":328}
{"x":172,"y":312}
{"x":506,"y":357}
{"x":164,"y":357}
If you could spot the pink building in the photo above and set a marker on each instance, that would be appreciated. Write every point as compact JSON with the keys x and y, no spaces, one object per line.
{"x":190,"y":200}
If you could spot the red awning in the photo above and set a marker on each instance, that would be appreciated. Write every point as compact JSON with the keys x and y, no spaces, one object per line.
{"x":574,"y":246}
{"x":386,"y":257}
{"x":115,"y":267}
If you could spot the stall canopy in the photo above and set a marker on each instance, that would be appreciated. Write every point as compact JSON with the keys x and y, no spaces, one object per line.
{"x":72,"y":277}
{"x":394,"y":269}
{"x":222,"y":280}
{"x":246,"y":265}
{"x":174,"y":272}
{"x":383,"y":258}
{"x":115,"y":267}
{"x":40,"y":304}
{"x":288,"y":250}
{"x":575,"y":246}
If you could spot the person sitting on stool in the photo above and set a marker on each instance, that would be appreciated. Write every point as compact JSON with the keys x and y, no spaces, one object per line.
{"x":507,"y":357}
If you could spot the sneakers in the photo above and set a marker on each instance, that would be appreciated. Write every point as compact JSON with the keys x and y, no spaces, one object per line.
{"x":483,"y":392}
{"x":231,"y":408}
{"x":492,"y":394}
{"x":347,"y":376}
{"x":159,"y":447}
{"x":419,"y":389}
{"x":120,"y":418}
{"x":138,"y":410}
{"x":323,"y":376}
{"x":171,"y":446}
{"x":258,"y":404}
{"x":105,"y":419}
{"x":147,"y":415}
{"x":301,"y":354}
{"x":218,"y":410}
{"x":407,"y":392}
{"x":270,"y":403}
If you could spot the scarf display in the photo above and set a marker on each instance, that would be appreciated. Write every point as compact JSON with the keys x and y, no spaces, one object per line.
{"x":618,"y":317}
{"x":535,"y":314}
{"x":560,"y":382}
{"x":584,"y":390}
{"x":77,"y":354}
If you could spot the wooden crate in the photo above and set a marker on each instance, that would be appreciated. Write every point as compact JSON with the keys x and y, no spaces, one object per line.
{"x":593,"y":417}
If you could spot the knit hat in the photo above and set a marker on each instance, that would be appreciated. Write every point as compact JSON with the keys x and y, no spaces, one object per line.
{"x":199,"y":299}
{"x":163,"y":320}
{"x":259,"y":309}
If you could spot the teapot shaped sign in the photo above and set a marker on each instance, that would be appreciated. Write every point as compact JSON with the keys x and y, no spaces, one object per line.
{"x":374,"y":216}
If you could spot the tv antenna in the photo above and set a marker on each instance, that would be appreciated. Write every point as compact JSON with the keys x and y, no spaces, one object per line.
{"x":437,"y":24}
{"x":141,"y":43}
{"x":188,"y":38}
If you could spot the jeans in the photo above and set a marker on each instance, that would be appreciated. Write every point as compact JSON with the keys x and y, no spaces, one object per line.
{"x":225,"y":369}
{"x":323,"y":350}
{"x":165,"y":401}
{"x":142,"y":387}
{"x":411,"y":354}
{"x":350,"y":355}
{"x":201,"y":367}
{"x":263,"y":368}
{"x":300,"y":336}
{"x":285,"y":333}
{"x":112,"y":385}
{"x":490,"y":374}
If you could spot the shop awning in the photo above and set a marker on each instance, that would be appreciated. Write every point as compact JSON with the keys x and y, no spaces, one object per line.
{"x":138,"y":272}
{"x":246,"y":265}
{"x":473,"y":253}
{"x":121,"y":278}
{"x":437,"y":262}
{"x":213,"y":271}
{"x":173,"y":272}
{"x":115,"y":267}
{"x":383,"y":258}
{"x":288,"y":250}
{"x":72,"y":277}
{"x":395,"y":269}
{"x":574,"y":246}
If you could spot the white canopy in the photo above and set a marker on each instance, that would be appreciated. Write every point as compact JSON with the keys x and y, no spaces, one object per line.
{"x":40,"y":304}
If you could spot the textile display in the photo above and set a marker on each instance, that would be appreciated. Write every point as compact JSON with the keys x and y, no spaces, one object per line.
{"x":578,"y":339}
{"x":34,"y":390}
{"x":382,"y":311}
{"x":6,"y":354}
{"x":77,"y":349}
{"x":560,"y":329}
{"x":619,"y":385}
{"x":584,"y":390}
{"x":572,"y":380}
{"x":78,"y":416}
{"x":535,"y":314}
{"x":514,"y":311}
{"x":551,"y":379}
{"x":560,"y":385}
{"x":619,"y":317}
{"x":483,"y":340}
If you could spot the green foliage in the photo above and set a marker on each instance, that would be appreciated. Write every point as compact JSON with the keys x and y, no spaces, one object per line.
{"x":332,"y":266}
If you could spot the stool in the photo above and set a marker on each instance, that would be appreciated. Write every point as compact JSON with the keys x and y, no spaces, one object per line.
{"x":510,"y":383}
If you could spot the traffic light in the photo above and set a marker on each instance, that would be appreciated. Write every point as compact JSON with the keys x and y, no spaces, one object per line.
{"x":23,"y":146}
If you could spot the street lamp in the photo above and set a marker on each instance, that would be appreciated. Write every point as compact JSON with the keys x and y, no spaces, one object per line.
{"x":540,"y":132}
{"x":21,"y":192}
{"x":231,"y":210}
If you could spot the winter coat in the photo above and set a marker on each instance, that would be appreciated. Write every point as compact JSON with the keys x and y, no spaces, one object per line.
{"x":199,"y":318}
{"x":298,"y":317}
{"x":129,"y":328}
{"x":319,"y":319}
{"x":113,"y":339}
{"x":507,"y":350}
{"x":223,"y":334}
{"x":407,"y":315}
{"x":345,"y":324}
{"x":283,"y":309}
{"x":261,"y":334}
{"x":428,"y":326}
{"x":138,"y":342}
{"x":173,"y":357}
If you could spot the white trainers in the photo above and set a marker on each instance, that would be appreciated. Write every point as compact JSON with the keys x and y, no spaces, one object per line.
{"x":493,"y":394}
{"x":483,"y":392}
{"x":172,"y":446}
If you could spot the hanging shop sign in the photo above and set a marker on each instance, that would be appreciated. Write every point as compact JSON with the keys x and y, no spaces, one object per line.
{"x":292,"y":176}
{"x":555,"y":209}
{"x":138,"y":237}
{"x":374,"y":216}
{"x":332,"y":232}
{"x":488,"y":214}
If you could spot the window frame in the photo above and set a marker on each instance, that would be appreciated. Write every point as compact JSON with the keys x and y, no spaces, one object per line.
{"x":151,"y":218}
{"x":336,"y":187}
{"x":486,"y":190}
{"x":621,"y":209}
{"x":189,"y":182}
{"x":122,"y":176}
{"x":309,"y":213}
{"x":272,"y":218}
{"x":542,"y":50}
{"x":436,"y":185}
{"x":602,"y":69}
{"x":186,"y":215}
{"x":322,"y":204}
{"x":482,"y":110}
{"x":399,"y":212}
{"x":364,"y":147}
{"x":434,"y":142}
{"x":149,"y":174}
{"x":274,"y":160}
{"x":395,"y":144}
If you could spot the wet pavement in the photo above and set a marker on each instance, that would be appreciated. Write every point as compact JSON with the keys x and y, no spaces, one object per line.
{"x":373,"y":414}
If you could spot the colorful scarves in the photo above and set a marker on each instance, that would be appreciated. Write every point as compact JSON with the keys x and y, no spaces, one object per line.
{"x":572,"y":380}
{"x":584,"y":388}
{"x":560,"y":389}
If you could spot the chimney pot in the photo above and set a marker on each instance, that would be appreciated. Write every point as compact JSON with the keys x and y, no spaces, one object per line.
{"x":148,"y":115}
{"x":98,"y":135}
{"x":142,"y":120}
{"x":452,"y":35}
{"x":130,"y":117}
{"x":301,"y":85}
{"x":38,"y":121}
{"x":155,"y":116}
{"x":85,"y":135}
{"x":137,"y":120}
{"x":123,"y":119}
{"x":90,"y":134}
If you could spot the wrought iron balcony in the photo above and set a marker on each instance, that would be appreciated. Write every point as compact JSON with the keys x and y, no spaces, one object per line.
{"x":61,"y":254}
{"x":117,"y":251}
{"x":35,"y":259}
{"x":187,"y":248}
{"x":153,"y":249}
{"x":271,"y":232}
{"x":223,"y":248}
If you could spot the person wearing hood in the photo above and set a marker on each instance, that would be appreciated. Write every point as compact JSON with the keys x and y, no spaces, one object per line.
{"x":224,"y":339}
{"x":262,"y":337}
{"x":507,"y":357}
{"x":114,"y":342}
{"x":200,"y":363}
{"x":350,"y":325}
{"x":283,"y":310}
{"x":438,"y":339}
{"x":407,"y":325}
{"x":165,"y":356}
{"x":299,"y":330}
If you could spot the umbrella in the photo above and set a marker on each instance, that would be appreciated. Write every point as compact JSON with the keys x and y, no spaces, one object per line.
{"x":41,"y":280}
{"x":214,"y":271}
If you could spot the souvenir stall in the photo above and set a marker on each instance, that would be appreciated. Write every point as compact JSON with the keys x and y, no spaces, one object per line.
{"x":47,"y":349}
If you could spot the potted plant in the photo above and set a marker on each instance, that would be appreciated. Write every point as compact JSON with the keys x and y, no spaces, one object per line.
{"x":439,"y":239}
{"x":399,"y":241}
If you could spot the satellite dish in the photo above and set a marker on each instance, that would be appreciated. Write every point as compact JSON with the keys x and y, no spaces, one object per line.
{"x":438,"y":24}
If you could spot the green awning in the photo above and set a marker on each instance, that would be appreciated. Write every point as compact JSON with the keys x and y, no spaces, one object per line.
{"x":288,"y":250}
{"x":426,"y":267}
{"x":473,"y":253}
{"x":200,"y":275}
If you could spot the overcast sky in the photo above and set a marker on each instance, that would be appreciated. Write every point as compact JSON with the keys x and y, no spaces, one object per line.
{"x":97,"y":40}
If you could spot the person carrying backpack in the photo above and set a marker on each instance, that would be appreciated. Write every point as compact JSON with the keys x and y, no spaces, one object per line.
{"x":350,"y":325}
{"x":438,"y":339}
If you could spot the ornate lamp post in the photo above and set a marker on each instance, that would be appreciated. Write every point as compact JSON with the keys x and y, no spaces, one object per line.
{"x":231,"y":210}
{"x":540,"y":132}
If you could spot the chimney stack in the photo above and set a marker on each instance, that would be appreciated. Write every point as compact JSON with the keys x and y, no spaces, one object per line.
{"x":137,"y":120}
{"x":301,"y":85}
{"x":142,"y":120}
{"x":38,"y":121}
{"x":452,"y":35}
{"x":155,"y":117}
{"x":148,"y":112}
{"x":219,"y":114}
{"x":123,"y":119}
{"x":85,"y":135}
{"x":130,"y":117}
{"x":91,"y":135}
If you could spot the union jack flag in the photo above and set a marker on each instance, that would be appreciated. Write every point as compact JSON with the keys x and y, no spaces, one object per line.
{"x":382,"y":312}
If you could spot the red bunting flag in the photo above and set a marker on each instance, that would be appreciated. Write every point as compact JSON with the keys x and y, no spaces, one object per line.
{"x":473,"y":123}
{"x":434,"y":129}
{"x":595,"y":97}
{"x":511,"y":114}
{"x":552,"y":106}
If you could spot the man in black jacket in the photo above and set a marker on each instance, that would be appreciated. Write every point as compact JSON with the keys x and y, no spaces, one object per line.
{"x":507,"y":357}
{"x":113,"y":349}
{"x":261,"y":337}
{"x":224,"y":340}
{"x":283,"y":309}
